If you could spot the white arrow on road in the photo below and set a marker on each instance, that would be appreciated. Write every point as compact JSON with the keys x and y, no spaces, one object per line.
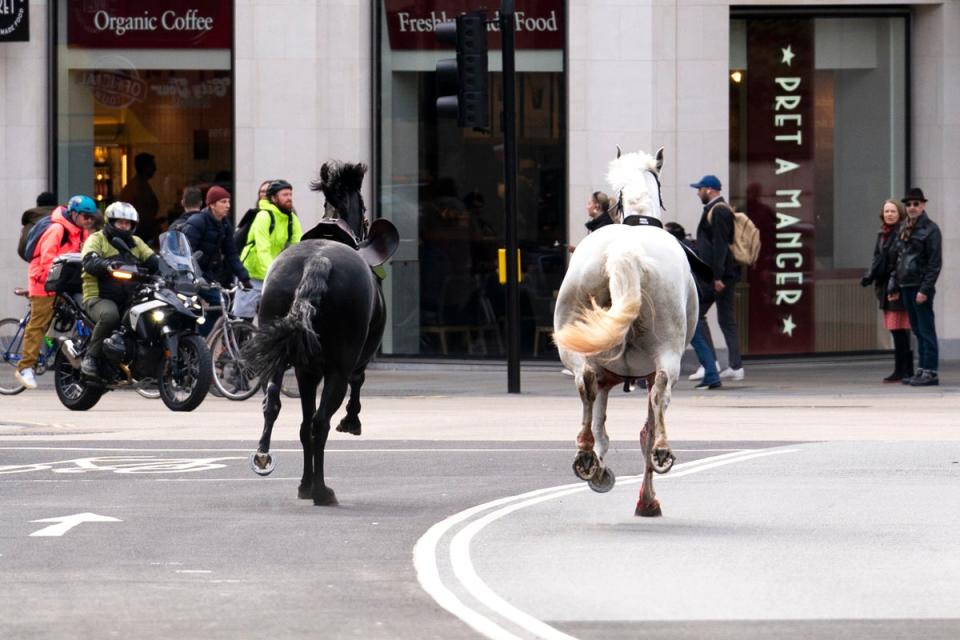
{"x":65,"y":523}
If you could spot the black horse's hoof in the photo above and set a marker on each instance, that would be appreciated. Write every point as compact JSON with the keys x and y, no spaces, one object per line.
{"x":586,"y":464}
{"x":305,"y":491}
{"x":325,"y":497}
{"x":662,"y":460}
{"x":602,"y":481}
{"x":349,"y":425}
{"x":261,"y":463}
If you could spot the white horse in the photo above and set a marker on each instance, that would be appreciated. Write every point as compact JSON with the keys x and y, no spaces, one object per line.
{"x":627,"y":308}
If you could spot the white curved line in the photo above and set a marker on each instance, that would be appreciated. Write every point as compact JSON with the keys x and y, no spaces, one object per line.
{"x":425,"y":552}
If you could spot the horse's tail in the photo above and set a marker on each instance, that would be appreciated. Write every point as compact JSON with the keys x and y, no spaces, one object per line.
{"x":596,"y":329}
{"x":292,"y":339}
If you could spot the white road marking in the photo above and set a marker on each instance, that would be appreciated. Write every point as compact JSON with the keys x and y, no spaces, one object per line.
{"x":613,"y":446}
{"x":65,"y":523}
{"x":193,"y":571}
{"x":426,"y":549}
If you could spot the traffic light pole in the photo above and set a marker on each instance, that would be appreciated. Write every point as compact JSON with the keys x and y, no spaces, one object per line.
{"x":509,"y":121}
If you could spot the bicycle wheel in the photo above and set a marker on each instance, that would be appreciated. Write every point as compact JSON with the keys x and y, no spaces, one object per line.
{"x":230,"y":376}
{"x":289,"y":386}
{"x":11,"y":344}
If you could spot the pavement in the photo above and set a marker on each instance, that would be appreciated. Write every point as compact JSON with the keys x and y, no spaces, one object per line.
{"x":811,"y":399}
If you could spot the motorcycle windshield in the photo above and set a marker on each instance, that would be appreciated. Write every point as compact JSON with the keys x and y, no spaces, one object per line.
{"x":175,"y":251}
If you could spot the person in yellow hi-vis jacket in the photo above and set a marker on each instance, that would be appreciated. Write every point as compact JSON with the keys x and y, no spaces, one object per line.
{"x":275,"y":227}
{"x":105,"y":297}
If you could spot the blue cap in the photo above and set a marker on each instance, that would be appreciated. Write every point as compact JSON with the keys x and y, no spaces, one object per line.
{"x":710,"y":182}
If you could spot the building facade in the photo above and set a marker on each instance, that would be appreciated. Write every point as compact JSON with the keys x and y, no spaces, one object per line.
{"x":811,"y":113}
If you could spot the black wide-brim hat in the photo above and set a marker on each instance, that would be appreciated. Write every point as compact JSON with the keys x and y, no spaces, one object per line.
{"x":914,"y":194}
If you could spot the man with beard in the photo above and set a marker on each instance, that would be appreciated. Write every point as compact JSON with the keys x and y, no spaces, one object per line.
{"x":275,"y":227}
{"x":105,"y":297}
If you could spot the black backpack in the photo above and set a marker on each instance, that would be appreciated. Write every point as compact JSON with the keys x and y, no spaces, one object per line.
{"x":243,"y":228}
{"x":30,"y":237}
{"x":180,"y":222}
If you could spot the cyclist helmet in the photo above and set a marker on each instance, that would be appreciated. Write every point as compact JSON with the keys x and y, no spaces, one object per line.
{"x":277,"y":185}
{"x":82,"y":205}
{"x":122,"y":211}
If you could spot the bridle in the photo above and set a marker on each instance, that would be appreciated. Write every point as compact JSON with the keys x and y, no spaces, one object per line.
{"x":656,"y":178}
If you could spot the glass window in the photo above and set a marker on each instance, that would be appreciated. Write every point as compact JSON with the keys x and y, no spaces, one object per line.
{"x":817,"y":143}
{"x":144,"y":102}
{"x":443,"y":186}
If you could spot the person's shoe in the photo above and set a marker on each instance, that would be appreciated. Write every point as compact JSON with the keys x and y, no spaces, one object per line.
{"x":89,"y":368}
{"x":893,"y":377}
{"x":908,"y":379}
{"x":709,"y":385}
{"x":567,"y":372}
{"x":926,"y":379}
{"x":699,"y":373}
{"x":26,"y":378}
{"x":733,"y":374}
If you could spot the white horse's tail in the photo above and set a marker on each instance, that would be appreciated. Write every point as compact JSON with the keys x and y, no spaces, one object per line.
{"x":596,"y":329}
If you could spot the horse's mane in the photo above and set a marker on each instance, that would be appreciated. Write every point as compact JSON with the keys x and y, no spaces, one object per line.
{"x":629,"y":168}
{"x":338,"y":179}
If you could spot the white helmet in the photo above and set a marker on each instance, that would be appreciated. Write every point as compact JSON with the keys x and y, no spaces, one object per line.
{"x":122,"y":211}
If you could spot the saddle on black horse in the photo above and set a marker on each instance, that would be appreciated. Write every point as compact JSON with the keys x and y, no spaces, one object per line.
{"x":381,"y":241}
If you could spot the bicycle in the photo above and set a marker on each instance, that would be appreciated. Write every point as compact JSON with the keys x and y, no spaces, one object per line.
{"x":68,"y":317}
{"x":231,"y":378}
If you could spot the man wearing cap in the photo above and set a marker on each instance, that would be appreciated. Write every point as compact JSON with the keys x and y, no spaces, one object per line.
{"x":275,"y":227}
{"x":211,"y":232}
{"x":714,"y":236}
{"x":920,"y":256}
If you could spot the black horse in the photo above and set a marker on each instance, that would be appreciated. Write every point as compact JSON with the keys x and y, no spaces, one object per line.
{"x":322,"y":311}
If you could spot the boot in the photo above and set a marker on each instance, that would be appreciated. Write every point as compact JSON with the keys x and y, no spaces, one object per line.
{"x":897,"y":374}
{"x":907,"y":371}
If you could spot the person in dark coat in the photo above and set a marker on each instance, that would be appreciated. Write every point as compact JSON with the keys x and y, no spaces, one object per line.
{"x":895,"y":317}
{"x":46,"y":203}
{"x":919,"y":259}
{"x":210,"y":232}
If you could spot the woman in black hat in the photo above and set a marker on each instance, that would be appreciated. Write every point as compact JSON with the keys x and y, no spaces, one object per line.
{"x":920,"y":256}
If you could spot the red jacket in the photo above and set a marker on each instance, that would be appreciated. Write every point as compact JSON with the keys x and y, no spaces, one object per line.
{"x":51,"y":245}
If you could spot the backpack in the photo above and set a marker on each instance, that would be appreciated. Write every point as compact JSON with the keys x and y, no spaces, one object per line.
{"x":30,"y":236}
{"x":179,"y":223}
{"x":746,"y":237}
{"x":243,"y":228}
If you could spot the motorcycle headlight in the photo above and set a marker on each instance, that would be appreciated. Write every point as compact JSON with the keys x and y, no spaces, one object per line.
{"x":157,"y":315}
{"x":201,"y":320}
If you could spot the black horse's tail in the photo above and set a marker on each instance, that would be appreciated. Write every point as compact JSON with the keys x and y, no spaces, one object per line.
{"x":291,"y":339}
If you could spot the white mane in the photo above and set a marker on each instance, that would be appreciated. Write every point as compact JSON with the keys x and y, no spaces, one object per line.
{"x":628,"y":178}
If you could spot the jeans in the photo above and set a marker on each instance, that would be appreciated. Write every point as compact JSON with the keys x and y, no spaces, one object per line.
{"x":922,"y":324}
{"x":727,"y":318}
{"x":705,"y":354}
{"x":211,"y":296}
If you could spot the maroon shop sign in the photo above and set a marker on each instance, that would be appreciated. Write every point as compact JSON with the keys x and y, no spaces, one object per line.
{"x":159,"y":24}
{"x":411,"y":23}
{"x":780,"y":166}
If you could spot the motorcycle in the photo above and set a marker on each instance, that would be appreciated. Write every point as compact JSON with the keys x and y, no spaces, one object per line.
{"x":157,"y":344}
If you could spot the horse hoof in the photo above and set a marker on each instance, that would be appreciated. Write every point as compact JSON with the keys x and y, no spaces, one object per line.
{"x":261,"y":463}
{"x":662,"y":460}
{"x":602,"y":481}
{"x":349,"y":425}
{"x":325,"y":497}
{"x":651,"y":510}
{"x":305,"y":492}
{"x":586,"y":464}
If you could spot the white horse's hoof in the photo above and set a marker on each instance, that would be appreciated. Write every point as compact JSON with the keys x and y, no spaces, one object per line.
{"x":261,"y":463}
{"x":602,"y":481}
{"x":662,"y":460}
{"x":586,"y":464}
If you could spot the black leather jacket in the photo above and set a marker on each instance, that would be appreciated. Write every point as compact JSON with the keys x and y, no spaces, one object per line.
{"x":920,"y":258}
{"x":881,"y":270}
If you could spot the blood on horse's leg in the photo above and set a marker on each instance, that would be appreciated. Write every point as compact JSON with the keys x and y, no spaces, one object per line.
{"x":647,"y":504}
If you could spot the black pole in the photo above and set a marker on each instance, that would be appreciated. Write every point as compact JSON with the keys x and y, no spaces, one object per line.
{"x":510,"y":192}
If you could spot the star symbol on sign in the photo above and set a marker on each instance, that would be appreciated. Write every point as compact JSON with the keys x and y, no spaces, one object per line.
{"x":788,"y":326}
{"x":788,"y":55}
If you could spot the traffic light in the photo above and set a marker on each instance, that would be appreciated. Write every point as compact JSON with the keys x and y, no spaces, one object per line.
{"x":462,"y":82}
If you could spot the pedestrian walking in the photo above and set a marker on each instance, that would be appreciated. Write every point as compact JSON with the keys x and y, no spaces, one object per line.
{"x":714,"y":236}
{"x":895,"y":318}
{"x":919,"y":259}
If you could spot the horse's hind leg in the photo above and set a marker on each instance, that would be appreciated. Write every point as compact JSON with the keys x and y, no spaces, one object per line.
{"x":334,"y":390}
{"x":262,"y":461}
{"x":586,"y":464}
{"x":351,"y":422}
{"x":647,"y":503}
{"x":659,"y":398}
{"x":307,"y":385}
{"x":603,"y":480}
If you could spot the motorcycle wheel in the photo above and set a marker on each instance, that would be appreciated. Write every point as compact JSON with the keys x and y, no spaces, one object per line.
{"x":75,"y":393}
{"x":185,"y":388}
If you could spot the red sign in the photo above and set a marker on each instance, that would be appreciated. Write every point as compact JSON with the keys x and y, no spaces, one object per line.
{"x":159,"y":24}
{"x":780,"y":179}
{"x":411,"y":23}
